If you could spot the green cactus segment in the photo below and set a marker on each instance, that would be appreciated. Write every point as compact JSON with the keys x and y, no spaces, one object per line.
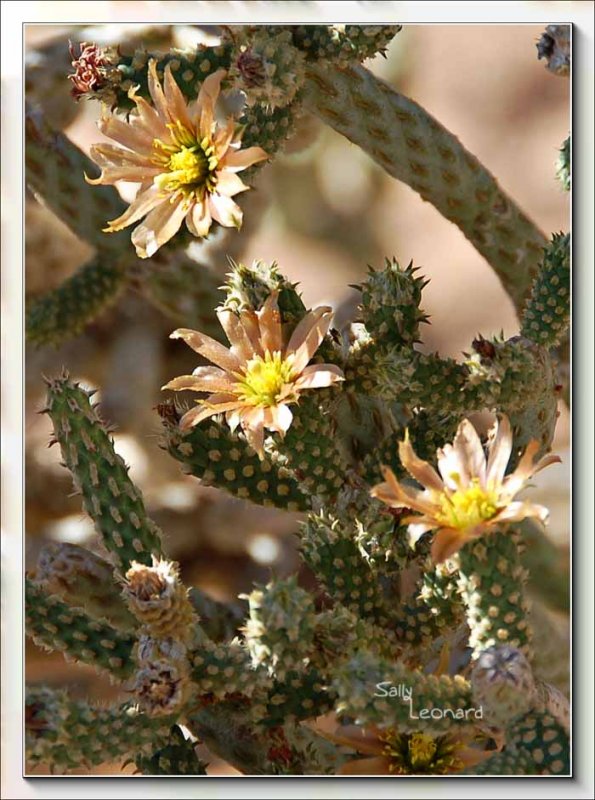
{"x":219,"y":621}
{"x":390,"y":304}
{"x":221,"y":670}
{"x":56,"y":626}
{"x":546,"y":316}
{"x":536,"y":745}
{"x":67,"y":310}
{"x":248,"y":287}
{"x":280,"y":628}
{"x":189,"y":68}
{"x":224,"y":459}
{"x":83,"y":580}
{"x":413,"y":147}
{"x":177,"y":757}
{"x":434,"y":610}
{"x":364,"y":686}
{"x":309,"y":446}
{"x":68,"y":735}
{"x":267,"y":129}
{"x":55,"y":172}
{"x":492,"y":582}
{"x":109,"y":497}
{"x":301,"y":695}
{"x":563,"y":165}
{"x":329,"y":547}
{"x":267,"y":67}
{"x":343,"y":43}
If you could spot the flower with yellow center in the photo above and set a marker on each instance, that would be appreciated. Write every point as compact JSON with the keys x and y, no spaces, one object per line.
{"x":185,"y":162}
{"x":256,"y":380}
{"x":388,"y":752}
{"x":469,"y":494}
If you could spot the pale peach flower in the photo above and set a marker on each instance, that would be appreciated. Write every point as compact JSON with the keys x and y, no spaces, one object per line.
{"x":184,"y":160}
{"x":256,"y":380}
{"x":470,"y":494}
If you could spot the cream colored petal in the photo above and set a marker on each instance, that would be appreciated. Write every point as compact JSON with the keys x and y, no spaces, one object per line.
{"x":308,"y":335}
{"x":233,"y":419}
{"x":209,"y":348}
{"x":446,"y":543}
{"x":131,"y":136}
{"x":130,"y":174}
{"x":518,"y":510}
{"x":356,"y":739}
{"x":454,"y":474}
{"x":252,"y":425}
{"x":196,"y":415}
{"x":142,"y":205}
{"x":249,"y":320}
{"x":236,"y":333}
{"x":467,"y":444}
{"x":225,"y":211}
{"x":149,"y":119}
{"x":419,"y":469}
{"x":471,"y":757}
{"x":204,"y":379}
{"x":318,"y":376}
{"x":159,"y":227}
{"x":198,"y":219}
{"x":377,"y":765}
{"x":396,"y":495}
{"x":207,"y":99}
{"x":499,"y":452}
{"x":156,"y":92}
{"x":109,"y":155}
{"x":269,"y":323}
{"x":237,"y":160}
{"x":418,"y":525}
{"x":223,"y":137}
{"x":229,"y":184}
{"x":281,"y":418}
{"x":176,"y":103}
{"x":526,"y":468}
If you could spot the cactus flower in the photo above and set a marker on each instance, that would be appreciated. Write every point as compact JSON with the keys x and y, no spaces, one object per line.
{"x":184,"y":160}
{"x":259,"y":377}
{"x":470,"y":495}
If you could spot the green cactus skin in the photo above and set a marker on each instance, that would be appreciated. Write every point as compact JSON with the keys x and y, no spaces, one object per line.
{"x":536,"y":745}
{"x":65,"y":311}
{"x":433,"y":610}
{"x":542,"y":559}
{"x":546,"y":316}
{"x":564,"y":165}
{"x":110,"y":498}
{"x":55,"y":172}
{"x":83,"y":580}
{"x":69,"y":734}
{"x":341,"y":44}
{"x":413,"y":147}
{"x":302,"y":694}
{"x":356,"y":685}
{"x":56,"y":626}
{"x":177,"y":757}
{"x":220,"y":670}
{"x":329,"y":548}
{"x":219,"y":621}
{"x":309,"y":446}
{"x":189,"y":67}
{"x":491,"y":582}
{"x":221,"y":458}
{"x":280,"y":627}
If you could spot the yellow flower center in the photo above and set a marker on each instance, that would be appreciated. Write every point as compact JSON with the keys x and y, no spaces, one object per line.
{"x":467,"y":507}
{"x":265,"y":378}
{"x":188,"y":164}
{"x":422,"y":749}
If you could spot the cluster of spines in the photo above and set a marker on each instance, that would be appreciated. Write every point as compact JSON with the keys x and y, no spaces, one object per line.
{"x":176,"y":757}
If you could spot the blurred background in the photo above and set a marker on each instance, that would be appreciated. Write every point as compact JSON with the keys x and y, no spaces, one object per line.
{"x":323,"y":211}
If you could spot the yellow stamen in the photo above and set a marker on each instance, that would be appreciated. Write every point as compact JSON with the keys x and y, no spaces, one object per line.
{"x":422,"y":749}
{"x":467,"y":507}
{"x":264,"y":379}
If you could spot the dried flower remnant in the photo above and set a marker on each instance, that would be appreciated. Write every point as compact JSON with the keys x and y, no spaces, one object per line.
{"x":186,"y":162}
{"x":259,"y":377}
{"x":470,"y":495}
{"x":91,"y":67}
